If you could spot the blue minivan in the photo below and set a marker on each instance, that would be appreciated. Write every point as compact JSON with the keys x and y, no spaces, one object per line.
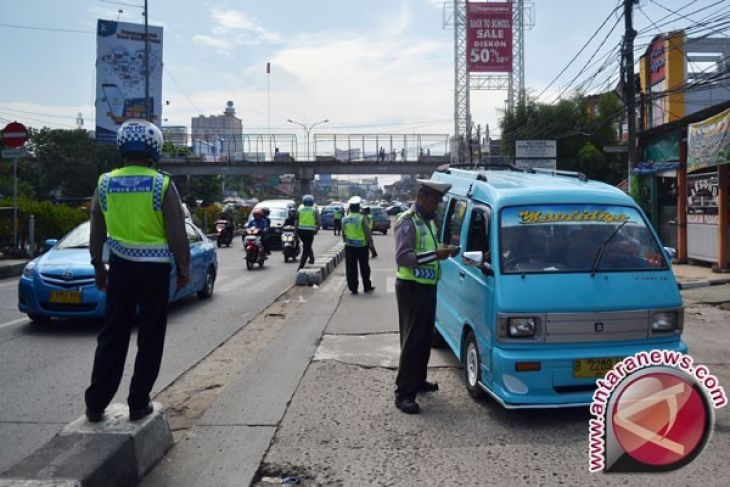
{"x":557,"y":279}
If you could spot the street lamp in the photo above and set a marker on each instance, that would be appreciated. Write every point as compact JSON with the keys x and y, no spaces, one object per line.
{"x":307,"y":129}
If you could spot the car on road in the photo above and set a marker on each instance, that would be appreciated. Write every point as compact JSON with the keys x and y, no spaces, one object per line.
{"x":278,"y":210}
{"x":394,"y":210}
{"x":60,"y":283}
{"x":327,"y":216}
{"x":380,"y":220}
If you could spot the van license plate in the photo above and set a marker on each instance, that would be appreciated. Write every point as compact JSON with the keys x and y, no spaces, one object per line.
{"x":593,"y":368}
{"x":73,"y":297}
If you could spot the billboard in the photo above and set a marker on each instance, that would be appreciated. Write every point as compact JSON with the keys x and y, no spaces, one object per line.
{"x":708,"y":142}
{"x":120,"y":75}
{"x":536,"y":149}
{"x":489,"y":37}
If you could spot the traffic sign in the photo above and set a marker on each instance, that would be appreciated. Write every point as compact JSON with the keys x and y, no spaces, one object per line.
{"x":15,"y":135}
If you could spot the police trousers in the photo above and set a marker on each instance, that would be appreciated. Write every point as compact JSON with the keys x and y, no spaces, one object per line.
{"x":354,"y":257}
{"x":416,"y":316}
{"x":138,"y":289}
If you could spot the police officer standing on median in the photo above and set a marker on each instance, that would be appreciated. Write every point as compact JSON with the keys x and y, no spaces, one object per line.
{"x":307,"y":227}
{"x":137,"y":213}
{"x":417,"y":255}
{"x":358,"y":241}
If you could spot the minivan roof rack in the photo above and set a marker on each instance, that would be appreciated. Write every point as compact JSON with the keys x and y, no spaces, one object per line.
{"x":478,"y":165}
{"x":468,"y":174}
{"x":559,"y":172}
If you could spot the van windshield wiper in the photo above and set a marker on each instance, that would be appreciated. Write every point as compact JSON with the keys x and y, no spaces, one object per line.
{"x":602,"y":248}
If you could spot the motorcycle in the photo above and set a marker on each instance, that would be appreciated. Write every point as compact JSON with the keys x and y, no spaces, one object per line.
{"x":289,"y":243}
{"x":253,"y":245}
{"x":225,"y":233}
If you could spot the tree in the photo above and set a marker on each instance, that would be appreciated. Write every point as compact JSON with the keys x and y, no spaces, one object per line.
{"x":66,"y":163}
{"x":580,"y":135}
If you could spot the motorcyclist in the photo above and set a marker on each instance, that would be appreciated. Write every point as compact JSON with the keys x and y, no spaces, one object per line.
{"x":260,"y":221}
{"x":291,"y":218}
{"x":265,"y":233}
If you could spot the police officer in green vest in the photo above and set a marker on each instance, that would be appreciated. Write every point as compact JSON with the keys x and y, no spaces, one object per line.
{"x":337,"y":220}
{"x":358,"y":241}
{"x":137,"y":215}
{"x":307,"y":227}
{"x":417,"y":254}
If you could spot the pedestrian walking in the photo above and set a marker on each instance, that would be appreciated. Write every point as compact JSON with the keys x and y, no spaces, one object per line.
{"x":337,"y":218}
{"x":307,"y":227}
{"x":417,"y":255}
{"x":140,"y":211}
{"x":358,"y":240}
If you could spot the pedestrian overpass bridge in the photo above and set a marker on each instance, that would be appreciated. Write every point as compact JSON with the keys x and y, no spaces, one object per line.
{"x":271,"y":155}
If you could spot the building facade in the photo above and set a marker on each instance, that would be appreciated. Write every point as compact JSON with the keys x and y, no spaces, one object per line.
{"x":218,"y":137}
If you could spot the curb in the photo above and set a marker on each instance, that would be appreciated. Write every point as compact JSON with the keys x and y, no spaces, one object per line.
{"x":115,"y":452}
{"x":323,"y":266}
{"x":12,"y":270}
{"x":698,"y":284}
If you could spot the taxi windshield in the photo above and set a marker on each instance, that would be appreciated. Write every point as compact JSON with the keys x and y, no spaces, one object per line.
{"x":576,"y":238}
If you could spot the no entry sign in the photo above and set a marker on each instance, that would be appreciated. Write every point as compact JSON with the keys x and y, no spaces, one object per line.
{"x":15,"y":134}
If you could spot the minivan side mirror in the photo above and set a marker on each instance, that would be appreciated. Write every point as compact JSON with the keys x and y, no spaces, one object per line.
{"x":476,"y":259}
{"x":48,"y":244}
{"x":671,"y":252}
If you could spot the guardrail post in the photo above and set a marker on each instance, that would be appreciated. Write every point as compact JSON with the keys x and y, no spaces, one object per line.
{"x":31,"y":235}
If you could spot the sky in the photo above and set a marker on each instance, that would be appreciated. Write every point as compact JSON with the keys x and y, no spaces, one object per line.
{"x":369,"y":66}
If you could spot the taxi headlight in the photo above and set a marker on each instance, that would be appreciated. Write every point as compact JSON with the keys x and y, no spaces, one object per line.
{"x":664,"y":321}
{"x":521,"y":327}
{"x":29,"y":270}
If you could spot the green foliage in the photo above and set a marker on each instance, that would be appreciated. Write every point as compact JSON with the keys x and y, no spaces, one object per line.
{"x":205,"y":188}
{"x":51,"y":220}
{"x":65,"y":163}
{"x":208,"y":214}
{"x":580,"y":135}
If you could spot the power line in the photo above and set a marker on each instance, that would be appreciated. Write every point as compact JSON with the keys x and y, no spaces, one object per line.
{"x":48,"y":29}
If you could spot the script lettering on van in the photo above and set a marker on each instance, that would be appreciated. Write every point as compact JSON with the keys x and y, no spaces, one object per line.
{"x":603,"y":216}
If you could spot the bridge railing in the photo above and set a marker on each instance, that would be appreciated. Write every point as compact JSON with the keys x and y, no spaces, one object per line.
{"x":226,"y":148}
{"x":380,"y":147}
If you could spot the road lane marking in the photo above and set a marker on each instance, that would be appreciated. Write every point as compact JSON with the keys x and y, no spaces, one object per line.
{"x":13,"y":322}
{"x":390,"y":285}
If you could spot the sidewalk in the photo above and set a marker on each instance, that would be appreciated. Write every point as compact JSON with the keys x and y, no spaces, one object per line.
{"x":11,"y":267}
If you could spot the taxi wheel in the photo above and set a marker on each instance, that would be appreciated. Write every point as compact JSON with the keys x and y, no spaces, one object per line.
{"x":472,"y":367}
{"x":41,"y":320}
{"x":207,"y":290}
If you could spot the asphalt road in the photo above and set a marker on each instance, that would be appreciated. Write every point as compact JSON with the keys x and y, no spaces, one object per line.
{"x":45,"y":369}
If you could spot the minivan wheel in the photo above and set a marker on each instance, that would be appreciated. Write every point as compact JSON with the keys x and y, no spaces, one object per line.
{"x":472,"y":368}
{"x":207,"y":290}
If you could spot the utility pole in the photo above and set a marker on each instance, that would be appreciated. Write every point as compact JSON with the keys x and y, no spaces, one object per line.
{"x":147,"y":104}
{"x":630,"y":85}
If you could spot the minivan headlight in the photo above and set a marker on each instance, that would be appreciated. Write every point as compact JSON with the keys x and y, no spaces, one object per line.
{"x":664,"y":321}
{"x":29,"y":270}
{"x":521,"y":327}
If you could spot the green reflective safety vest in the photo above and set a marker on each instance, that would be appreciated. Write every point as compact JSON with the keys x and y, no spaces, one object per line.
{"x":131,"y":200}
{"x":307,"y":217}
{"x":353,"y":231}
{"x":338,"y":215}
{"x":425,"y":242}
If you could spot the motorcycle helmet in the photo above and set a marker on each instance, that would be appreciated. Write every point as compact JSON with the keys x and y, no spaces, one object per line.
{"x":308,"y":200}
{"x":266,"y":211}
{"x":258,"y":213}
{"x":139,"y":138}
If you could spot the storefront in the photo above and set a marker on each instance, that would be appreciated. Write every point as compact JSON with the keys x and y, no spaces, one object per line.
{"x":708,"y":190}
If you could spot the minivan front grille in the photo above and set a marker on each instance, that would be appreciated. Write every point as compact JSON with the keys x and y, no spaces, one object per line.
{"x":604,"y":326}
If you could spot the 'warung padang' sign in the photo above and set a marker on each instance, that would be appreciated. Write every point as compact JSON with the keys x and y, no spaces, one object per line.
{"x":708,"y":142}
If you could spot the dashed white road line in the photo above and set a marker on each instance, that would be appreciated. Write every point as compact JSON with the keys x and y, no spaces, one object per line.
{"x":13,"y":322}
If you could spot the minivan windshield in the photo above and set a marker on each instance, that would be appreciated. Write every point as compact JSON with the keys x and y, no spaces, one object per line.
{"x":569,"y":238}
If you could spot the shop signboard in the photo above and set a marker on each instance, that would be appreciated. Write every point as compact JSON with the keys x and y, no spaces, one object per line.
{"x":120,"y":75}
{"x":489,"y":37}
{"x":531,"y":154}
{"x":708,"y":142}
{"x":702,"y":191}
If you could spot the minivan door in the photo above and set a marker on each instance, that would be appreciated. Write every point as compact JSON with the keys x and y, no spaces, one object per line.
{"x":476,"y":285}
{"x":447,"y":305}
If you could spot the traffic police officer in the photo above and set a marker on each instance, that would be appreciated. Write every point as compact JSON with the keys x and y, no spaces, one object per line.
{"x":417,"y":254}
{"x":307,"y":226}
{"x":358,"y":241}
{"x":140,"y":211}
{"x":337,"y":220}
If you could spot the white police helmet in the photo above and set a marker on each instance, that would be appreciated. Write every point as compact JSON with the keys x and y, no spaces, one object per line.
{"x":140,"y":137}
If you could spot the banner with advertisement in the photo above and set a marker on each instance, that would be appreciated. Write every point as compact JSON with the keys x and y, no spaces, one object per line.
{"x":489,"y":37}
{"x":120,"y":75}
{"x":708,"y":142}
{"x":702,"y":192}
